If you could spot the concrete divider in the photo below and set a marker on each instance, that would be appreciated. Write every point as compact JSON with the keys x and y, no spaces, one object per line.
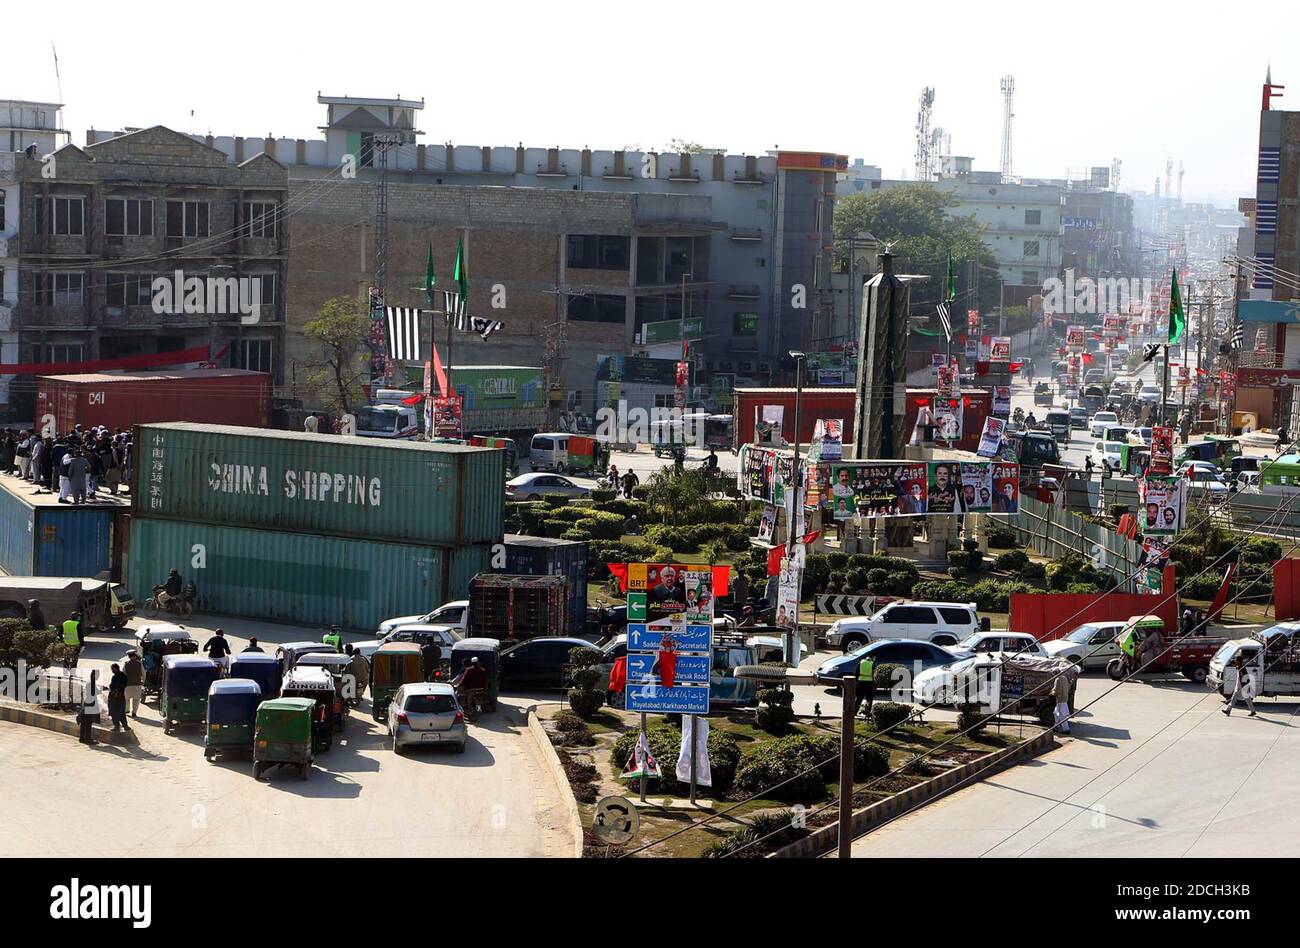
{"x":60,"y":723}
{"x":826,"y":838}
{"x":553,"y":766}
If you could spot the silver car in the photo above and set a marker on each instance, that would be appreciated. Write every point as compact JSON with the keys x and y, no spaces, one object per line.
{"x":534,"y":486}
{"x":427,"y":714}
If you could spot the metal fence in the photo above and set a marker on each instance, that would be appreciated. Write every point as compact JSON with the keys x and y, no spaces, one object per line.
{"x":1052,"y":532}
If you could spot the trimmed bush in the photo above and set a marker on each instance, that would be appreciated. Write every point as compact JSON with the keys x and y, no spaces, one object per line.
{"x":790,"y":761}
{"x":775,"y":710}
{"x":603,"y":494}
{"x":1012,"y":562}
{"x":555,"y":500}
{"x":1002,"y":538}
{"x":576,"y":535}
{"x":886,"y":714}
{"x":586,"y":696}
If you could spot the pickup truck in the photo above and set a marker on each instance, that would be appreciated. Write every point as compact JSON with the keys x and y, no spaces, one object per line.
{"x":1189,"y":655}
{"x":59,"y":596}
{"x":1274,"y":656}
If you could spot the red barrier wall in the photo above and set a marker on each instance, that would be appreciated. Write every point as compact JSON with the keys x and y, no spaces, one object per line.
{"x":1286,"y":589}
{"x":1049,"y":616}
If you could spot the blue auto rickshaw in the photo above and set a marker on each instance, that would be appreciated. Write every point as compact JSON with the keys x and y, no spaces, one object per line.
{"x":232,"y":709}
{"x":266,"y":670}
{"x":488,"y":653}
{"x":183,"y":694}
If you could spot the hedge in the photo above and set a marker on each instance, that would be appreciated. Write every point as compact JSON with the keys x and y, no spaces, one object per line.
{"x":665,"y":744}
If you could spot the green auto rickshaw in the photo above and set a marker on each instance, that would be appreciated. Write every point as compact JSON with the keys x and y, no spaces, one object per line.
{"x":183,"y":690}
{"x":282,"y":735}
{"x":232,"y":709}
{"x":392,"y":665}
{"x":488,"y":653}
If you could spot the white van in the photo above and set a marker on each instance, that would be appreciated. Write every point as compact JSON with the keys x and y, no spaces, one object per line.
{"x":1276,"y":666}
{"x":942,"y":623}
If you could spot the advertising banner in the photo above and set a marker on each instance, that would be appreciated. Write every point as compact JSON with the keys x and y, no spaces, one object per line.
{"x":948,"y":419}
{"x":976,"y":494}
{"x":767,"y":525}
{"x":1000,"y":351}
{"x":991,"y":437}
{"x":1162,"y":505}
{"x":1076,"y":338}
{"x":1162,"y":450}
{"x":447,"y":415}
{"x":828,"y":440}
{"x":1002,"y":401}
{"x":787,"y":598}
{"x":1006,"y":488}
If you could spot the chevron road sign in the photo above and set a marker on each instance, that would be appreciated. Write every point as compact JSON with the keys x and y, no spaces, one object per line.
{"x":846,"y":605}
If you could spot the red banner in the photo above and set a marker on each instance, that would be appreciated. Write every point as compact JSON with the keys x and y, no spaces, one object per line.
{"x":153,"y":360}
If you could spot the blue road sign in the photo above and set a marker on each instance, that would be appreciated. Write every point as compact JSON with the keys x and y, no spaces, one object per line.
{"x":692,"y":638}
{"x":690,"y":668}
{"x":679,"y":699}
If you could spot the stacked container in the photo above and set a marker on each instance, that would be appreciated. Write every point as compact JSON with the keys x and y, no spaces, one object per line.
{"x":311,"y":529}
{"x":543,"y":556}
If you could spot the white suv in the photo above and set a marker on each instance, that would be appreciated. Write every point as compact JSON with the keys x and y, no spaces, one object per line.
{"x":943,"y":623}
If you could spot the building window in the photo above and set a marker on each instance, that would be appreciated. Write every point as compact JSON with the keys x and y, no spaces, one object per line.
{"x":129,"y":289}
{"x":58,"y":289}
{"x":187,"y":218}
{"x":1033,"y":217}
{"x":597,"y":252}
{"x":67,"y":217}
{"x":366,"y":154}
{"x":1029,"y":278}
{"x":665,"y":399}
{"x":1031,"y":248}
{"x":598,"y":308}
{"x":58,"y":352}
{"x":255,"y":355}
{"x":264,"y":283}
{"x":128,"y":217}
{"x":744,"y":324}
{"x":261,"y":218}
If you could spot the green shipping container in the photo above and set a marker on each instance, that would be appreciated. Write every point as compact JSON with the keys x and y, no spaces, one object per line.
{"x":437,"y":494}
{"x":299,"y":578}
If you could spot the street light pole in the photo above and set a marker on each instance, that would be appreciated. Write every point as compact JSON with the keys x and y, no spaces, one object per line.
{"x":793,"y":537}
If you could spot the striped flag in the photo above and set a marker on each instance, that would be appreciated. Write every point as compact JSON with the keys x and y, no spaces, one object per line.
{"x":453,"y":306}
{"x":403,"y":333}
{"x":1149,"y":351}
{"x":944,"y":320}
{"x":1238,"y":337}
{"x":484,"y":326}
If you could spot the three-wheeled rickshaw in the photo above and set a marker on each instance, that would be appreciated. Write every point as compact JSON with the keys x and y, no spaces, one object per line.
{"x":290,"y":652}
{"x":488,"y":653}
{"x":154,"y":643}
{"x":183,"y":691}
{"x":282,"y":735}
{"x":264,"y":669}
{"x":318,"y":685}
{"x":392,"y":665}
{"x":339,"y":666}
{"x":232,"y":709}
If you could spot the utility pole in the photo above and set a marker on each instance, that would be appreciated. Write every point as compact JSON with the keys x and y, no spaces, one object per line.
{"x":848,"y":685}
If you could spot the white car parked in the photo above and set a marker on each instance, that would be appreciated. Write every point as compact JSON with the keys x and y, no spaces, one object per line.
{"x":943,"y":623}
{"x":1091,"y":645}
{"x":984,"y":642}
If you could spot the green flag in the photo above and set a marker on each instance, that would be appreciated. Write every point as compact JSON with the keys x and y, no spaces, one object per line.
{"x":429,"y":278}
{"x":1177,"y":321}
{"x":458,"y":274}
{"x":952,"y":281}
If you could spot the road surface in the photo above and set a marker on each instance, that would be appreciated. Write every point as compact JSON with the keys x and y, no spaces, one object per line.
{"x":162,"y":798}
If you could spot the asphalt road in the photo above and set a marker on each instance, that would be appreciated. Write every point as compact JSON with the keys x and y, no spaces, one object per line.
{"x":1153,"y":770}
{"x":162,"y":798}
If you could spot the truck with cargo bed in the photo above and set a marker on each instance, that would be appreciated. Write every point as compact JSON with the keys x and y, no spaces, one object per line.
{"x":511,"y":607}
{"x":59,"y":597}
{"x":1272,"y":655}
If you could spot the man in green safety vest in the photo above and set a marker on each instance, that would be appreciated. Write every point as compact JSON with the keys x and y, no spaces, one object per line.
{"x":72,"y":635}
{"x":334,"y":637}
{"x":866,"y":684}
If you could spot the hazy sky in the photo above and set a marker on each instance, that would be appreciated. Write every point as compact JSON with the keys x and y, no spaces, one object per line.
{"x":1094,"y":81}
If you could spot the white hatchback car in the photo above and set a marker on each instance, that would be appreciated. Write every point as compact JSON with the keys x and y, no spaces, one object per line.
{"x":426,"y":714}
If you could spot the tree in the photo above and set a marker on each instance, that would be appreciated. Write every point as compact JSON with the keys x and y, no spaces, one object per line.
{"x":342,"y":327}
{"x":677,"y":497}
{"x":916,"y":219}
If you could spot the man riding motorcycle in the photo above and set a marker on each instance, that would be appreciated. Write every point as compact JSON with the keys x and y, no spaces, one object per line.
{"x":473,"y":684}
{"x":169,"y":590}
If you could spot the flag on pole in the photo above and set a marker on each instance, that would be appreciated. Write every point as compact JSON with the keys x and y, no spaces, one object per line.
{"x":484,"y":326}
{"x":429,"y":278}
{"x":945,"y":321}
{"x":403,"y":336}
{"x":1177,"y":321}
{"x":1238,"y":337}
{"x":461,"y":277}
{"x":641,"y":762}
{"x":952,"y":281}
{"x":1149,"y":351}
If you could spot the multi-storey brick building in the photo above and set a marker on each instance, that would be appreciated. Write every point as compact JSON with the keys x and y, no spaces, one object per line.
{"x":100,"y":224}
{"x":589,"y":247}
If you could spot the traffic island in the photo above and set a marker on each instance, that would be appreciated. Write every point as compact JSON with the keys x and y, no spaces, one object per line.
{"x":751,"y":815}
{"x":61,"y":722}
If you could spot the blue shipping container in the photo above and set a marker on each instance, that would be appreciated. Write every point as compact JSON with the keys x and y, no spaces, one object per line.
{"x":41,"y":537}
{"x":543,"y":556}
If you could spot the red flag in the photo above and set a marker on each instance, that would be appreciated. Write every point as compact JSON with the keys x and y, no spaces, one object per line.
{"x":667,"y":668}
{"x":1221,"y":597}
{"x":777,"y":553}
{"x":618,"y":674}
{"x":414,"y":399}
{"x":440,"y":372}
{"x":620,"y":571}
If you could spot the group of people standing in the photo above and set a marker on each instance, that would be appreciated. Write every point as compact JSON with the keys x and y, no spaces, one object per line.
{"x":77,"y":464}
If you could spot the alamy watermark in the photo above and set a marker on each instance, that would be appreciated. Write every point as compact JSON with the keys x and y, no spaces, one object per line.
{"x":179,"y":294}
{"x":1094,"y":297}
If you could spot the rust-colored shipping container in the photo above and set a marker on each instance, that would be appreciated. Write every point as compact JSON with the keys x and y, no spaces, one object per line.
{"x":215,"y":396}
{"x":820,"y":402}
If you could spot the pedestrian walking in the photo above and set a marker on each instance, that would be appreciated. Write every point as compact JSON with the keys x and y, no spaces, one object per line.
{"x":117,"y":699}
{"x":88,"y":715}
{"x":866,"y":684}
{"x":1245,"y":688}
{"x":134,"y":671}
{"x":1061,"y":690}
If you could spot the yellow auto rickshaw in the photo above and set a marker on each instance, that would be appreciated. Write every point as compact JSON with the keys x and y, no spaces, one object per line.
{"x":392,"y":665}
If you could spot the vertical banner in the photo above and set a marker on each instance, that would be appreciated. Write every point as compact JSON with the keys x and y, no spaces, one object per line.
{"x":787,"y":599}
{"x":1162,"y":450}
{"x":767,"y":525}
{"x":1002,"y":401}
{"x":1006,"y":488}
{"x":1162,"y":505}
{"x":447,"y":416}
{"x":828,"y":440}
{"x":991,"y":437}
{"x":1000,"y":351}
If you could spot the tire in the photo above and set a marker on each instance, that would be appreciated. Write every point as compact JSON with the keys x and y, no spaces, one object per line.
{"x":397,"y":748}
{"x":186,"y":609}
{"x":1196,"y":673}
{"x":1115,"y":669}
{"x":1077,"y":662}
{"x":852,"y":643}
{"x":120,"y":623}
{"x":210,"y":755}
{"x":533,"y":497}
{"x":168,"y":728}
{"x":460,"y":748}
{"x":304,"y":771}
{"x":150,"y":608}
{"x":258,"y":769}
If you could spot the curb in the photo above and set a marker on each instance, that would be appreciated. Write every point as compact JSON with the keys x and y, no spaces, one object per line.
{"x":826,"y":839}
{"x":556,"y":770}
{"x":59,"y":723}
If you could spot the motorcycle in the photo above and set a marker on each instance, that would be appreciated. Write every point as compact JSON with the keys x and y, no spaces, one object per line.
{"x":182,"y":605}
{"x":1018,"y":416}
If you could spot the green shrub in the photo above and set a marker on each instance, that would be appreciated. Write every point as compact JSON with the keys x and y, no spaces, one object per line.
{"x":884,"y":675}
{"x":838,"y":561}
{"x":775,"y":709}
{"x":971,"y":720}
{"x":624,"y":508}
{"x":1011,"y":562}
{"x":37,"y":648}
{"x":856,"y":578}
{"x":555,"y":500}
{"x":576,"y":535}
{"x":1002,"y":538}
{"x":602,"y":526}
{"x":957,"y":572}
{"x":1032,"y":572}
{"x":790,"y":761}
{"x":1083,"y":588}
{"x":587,"y":694}
{"x":555,"y":528}
{"x":886,"y":714}
{"x":585,"y":702}
{"x":603,"y":494}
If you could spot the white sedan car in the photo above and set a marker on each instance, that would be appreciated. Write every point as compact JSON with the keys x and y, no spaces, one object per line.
{"x":1106,"y":454}
{"x":1091,"y":645}
{"x":984,"y":642}
{"x":1101,"y":421}
{"x":1150,"y":395}
{"x":536,"y":485}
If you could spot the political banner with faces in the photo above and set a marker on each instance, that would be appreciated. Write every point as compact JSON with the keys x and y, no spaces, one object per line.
{"x":1161,"y":499}
{"x":1002,"y":401}
{"x":991,"y":437}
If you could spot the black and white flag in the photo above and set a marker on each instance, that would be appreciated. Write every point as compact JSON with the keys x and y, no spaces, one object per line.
{"x":1149,"y":351}
{"x":484,"y":326}
{"x":454,"y":308}
{"x":403,"y":333}
{"x":1238,"y":337}
{"x":945,"y":321}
